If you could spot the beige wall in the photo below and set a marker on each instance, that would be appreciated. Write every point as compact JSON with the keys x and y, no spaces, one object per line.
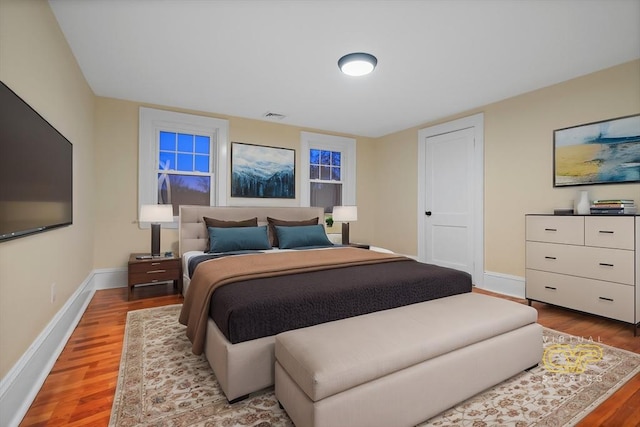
{"x":519,"y":153}
{"x":396,"y":203}
{"x":36,"y":62}
{"x":518,"y":163}
{"x":116,"y":170}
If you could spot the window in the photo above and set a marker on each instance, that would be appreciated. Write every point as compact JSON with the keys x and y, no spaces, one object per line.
{"x":184,"y":169}
{"x":325,"y":188}
{"x":328,"y":171}
{"x":182,"y":159}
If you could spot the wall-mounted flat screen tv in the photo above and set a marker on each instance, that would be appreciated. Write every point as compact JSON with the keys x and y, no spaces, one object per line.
{"x":36,"y":172}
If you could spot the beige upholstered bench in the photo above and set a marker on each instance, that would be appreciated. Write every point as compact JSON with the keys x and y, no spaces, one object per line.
{"x":402,"y":366}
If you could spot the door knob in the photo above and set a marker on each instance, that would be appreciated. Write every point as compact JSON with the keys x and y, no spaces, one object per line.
{"x":428,"y":213}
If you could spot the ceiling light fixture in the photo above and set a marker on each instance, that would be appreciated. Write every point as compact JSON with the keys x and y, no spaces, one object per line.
{"x":357,"y":64}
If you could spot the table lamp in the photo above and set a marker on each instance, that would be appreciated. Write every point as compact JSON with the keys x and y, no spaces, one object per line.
{"x":345,"y":214}
{"x":155,"y":214}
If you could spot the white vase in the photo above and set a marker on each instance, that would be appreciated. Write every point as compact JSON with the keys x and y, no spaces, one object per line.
{"x":583,"y":207}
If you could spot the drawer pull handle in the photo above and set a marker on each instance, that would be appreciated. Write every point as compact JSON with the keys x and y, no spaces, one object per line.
{"x":605,"y":232}
{"x":551,"y":287}
{"x":550,"y":257}
{"x":550,"y":229}
{"x":156,"y":263}
{"x":606,"y":299}
{"x":156,"y":271}
{"x":604,"y":264}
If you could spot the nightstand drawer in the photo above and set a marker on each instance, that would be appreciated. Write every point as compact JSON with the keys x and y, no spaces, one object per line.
{"x":152,"y":276}
{"x":160,"y":264}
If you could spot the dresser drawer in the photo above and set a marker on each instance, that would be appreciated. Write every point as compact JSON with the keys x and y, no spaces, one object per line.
{"x":555,"y":229}
{"x":607,"y":299}
{"x":609,"y":232}
{"x":612,"y":265}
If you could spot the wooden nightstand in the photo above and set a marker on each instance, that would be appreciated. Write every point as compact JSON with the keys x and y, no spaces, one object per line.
{"x":154,"y":270}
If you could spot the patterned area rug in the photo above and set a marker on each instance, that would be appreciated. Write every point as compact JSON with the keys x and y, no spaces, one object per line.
{"x":162,"y":383}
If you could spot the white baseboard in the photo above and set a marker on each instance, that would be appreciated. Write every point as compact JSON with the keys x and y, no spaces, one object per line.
{"x":505,"y":284}
{"x":109,"y":278}
{"x":20,"y":386}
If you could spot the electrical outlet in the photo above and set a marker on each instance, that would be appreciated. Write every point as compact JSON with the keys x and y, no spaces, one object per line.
{"x":53,"y":293}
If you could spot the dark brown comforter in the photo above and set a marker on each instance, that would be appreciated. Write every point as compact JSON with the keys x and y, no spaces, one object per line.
{"x":258,"y":297}
{"x":251,"y":309}
{"x":214,"y":275}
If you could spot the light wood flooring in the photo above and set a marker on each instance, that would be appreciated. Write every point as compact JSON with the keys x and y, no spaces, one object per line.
{"x":79,"y":390}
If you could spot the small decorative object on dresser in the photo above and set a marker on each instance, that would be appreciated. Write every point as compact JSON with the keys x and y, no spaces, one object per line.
{"x":563,"y":211}
{"x":586,"y":263}
{"x":145,"y":269}
{"x":583,"y":203}
{"x":614,"y":207}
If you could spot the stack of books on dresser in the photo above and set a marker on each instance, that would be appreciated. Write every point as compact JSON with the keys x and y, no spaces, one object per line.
{"x":614,"y":207}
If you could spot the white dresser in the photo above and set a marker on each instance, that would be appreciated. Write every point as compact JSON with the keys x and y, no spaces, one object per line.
{"x":589,"y":263}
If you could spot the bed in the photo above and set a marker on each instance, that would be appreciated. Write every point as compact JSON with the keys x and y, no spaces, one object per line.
{"x":237,"y":301}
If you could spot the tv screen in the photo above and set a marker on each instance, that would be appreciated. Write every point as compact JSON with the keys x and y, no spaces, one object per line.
{"x":36,"y":175}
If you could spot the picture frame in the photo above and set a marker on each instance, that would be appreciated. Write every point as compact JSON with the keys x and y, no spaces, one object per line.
{"x":603,"y":152}
{"x":260,"y":171}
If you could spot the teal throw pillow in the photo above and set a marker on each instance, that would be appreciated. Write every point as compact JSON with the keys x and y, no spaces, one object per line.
{"x":238,"y":239}
{"x":302,"y":236}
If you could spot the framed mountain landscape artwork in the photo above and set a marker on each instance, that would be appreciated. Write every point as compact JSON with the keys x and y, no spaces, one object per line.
{"x":262,"y":172}
{"x":605,"y":152}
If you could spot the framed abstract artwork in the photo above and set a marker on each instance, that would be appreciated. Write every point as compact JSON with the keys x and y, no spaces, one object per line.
{"x":260,"y":171}
{"x":605,"y":152}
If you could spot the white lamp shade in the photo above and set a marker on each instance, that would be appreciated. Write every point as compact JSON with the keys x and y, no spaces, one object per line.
{"x":156,"y":213}
{"x":345,"y":213}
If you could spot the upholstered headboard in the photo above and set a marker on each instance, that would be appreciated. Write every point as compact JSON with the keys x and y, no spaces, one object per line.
{"x":192,"y":232}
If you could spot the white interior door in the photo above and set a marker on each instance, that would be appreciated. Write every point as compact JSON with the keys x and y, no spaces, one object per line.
{"x":449,"y":230}
{"x":450,"y":199}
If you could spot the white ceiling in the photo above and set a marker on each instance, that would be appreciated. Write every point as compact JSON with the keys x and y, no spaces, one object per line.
{"x":435,"y":57}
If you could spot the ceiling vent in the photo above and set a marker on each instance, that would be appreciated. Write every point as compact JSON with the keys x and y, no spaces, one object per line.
{"x":273,"y":116}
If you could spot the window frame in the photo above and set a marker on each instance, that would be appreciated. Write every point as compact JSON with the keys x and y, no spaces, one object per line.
{"x":152,"y":121}
{"x":347,"y":146}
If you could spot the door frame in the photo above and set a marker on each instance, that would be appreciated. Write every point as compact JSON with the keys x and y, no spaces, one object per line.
{"x":476,"y":122}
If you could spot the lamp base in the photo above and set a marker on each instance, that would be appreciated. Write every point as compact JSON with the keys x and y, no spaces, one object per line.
{"x":345,"y":233}
{"x":155,"y":239}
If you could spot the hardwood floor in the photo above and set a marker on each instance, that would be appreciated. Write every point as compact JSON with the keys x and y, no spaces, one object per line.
{"x":79,"y":390}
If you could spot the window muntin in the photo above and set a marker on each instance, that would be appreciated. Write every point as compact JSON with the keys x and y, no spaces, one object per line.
{"x":184,"y":169}
{"x":325,"y":165}
{"x":184,"y":152}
